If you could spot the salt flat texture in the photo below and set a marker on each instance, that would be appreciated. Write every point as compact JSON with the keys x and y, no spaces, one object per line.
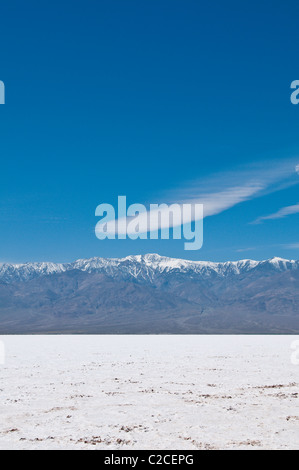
{"x":149,"y":392}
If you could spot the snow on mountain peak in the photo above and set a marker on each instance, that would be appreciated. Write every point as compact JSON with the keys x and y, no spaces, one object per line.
{"x":142,"y":267}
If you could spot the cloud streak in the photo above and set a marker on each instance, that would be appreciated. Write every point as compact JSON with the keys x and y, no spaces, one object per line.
{"x":281,"y":214}
{"x":291,"y":246}
{"x":220,"y":192}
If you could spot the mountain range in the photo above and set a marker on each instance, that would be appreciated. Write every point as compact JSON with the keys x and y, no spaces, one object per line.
{"x":150,"y":294}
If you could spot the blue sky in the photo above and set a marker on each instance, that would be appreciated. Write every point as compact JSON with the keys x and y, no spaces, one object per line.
{"x":149,"y":100}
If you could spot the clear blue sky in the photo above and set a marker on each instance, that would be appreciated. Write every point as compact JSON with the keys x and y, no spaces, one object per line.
{"x":144,"y":98}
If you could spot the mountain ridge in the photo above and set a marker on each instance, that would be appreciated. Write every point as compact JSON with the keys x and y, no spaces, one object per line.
{"x":150,"y":294}
{"x":25,"y":271}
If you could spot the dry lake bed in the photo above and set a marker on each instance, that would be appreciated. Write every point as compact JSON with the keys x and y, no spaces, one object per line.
{"x":149,"y":392}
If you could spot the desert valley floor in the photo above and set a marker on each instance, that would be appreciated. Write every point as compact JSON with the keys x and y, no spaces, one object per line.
{"x":149,"y":392}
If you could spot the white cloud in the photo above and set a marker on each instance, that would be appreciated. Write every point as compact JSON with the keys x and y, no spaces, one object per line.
{"x":223,"y":191}
{"x":284,"y":212}
{"x":292,"y":246}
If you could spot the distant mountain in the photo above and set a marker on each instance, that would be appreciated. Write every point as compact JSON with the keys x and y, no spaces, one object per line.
{"x":144,"y":267}
{"x":150,"y":294}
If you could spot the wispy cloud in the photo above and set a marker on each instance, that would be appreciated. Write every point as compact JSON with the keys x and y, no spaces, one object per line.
{"x":291,"y":246}
{"x":224,"y":190}
{"x":282,"y":213}
{"x":284,"y":246}
{"x":244,"y":250}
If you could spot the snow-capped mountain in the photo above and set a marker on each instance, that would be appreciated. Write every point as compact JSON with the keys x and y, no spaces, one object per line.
{"x":144,"y":267}
{"x":150,"y":294}
{"x":27,"y":271}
